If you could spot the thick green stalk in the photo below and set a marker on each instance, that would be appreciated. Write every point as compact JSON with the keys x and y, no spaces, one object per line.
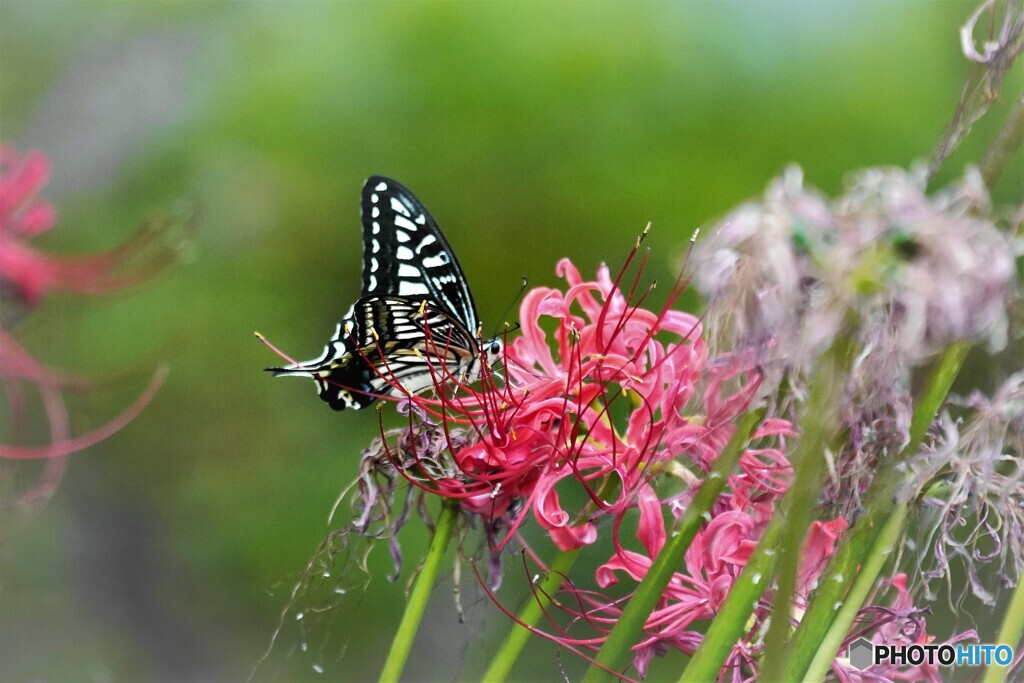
{"x":733,"y":618}
{"x":885,"y":543}
{"x":880,"y":503}
{"x":406,"y":633}
{"x":509,"y":651}
{"x":1010,"y":633}
{"x":615,"y":654}
{"x":820,"y":421}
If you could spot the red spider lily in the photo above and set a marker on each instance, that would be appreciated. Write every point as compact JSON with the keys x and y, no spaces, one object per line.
{"x":899,"y":623}
{"x":714,"y":560}
{"x":27,"y":274}
{"x":604,"y":349}
{"x":18,"y":368}
{"x":31,"y":273}
{"x":509,"y":446}
{"x":582,"y":618}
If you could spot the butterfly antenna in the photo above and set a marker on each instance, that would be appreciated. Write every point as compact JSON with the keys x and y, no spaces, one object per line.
{"x":512,"y":305}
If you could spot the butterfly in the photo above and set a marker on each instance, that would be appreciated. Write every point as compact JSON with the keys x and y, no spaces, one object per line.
{"x":415,"y":323}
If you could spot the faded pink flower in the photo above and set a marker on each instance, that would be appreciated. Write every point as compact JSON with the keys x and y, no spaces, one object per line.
{"x":979,"y":520}
{"x":897,"y":271}
{"x":785,"y":273}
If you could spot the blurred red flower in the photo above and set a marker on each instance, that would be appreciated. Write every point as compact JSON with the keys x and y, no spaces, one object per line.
{"x":27,"y":275}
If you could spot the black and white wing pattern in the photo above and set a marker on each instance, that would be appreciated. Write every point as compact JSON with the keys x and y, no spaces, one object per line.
{"x":415,"y":322}
{"x":405,"y":254}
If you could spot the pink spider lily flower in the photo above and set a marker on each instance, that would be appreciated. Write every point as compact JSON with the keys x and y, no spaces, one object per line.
{"x":899,"y":623}
{"x":30,"y":273}
{"x":18,"y":369}
{"x":602,"y":400}
{"x":27,"y":274}
{"x":712,"y":564}
{"x":695,"y":594}
{"x":554,"y":417}
{"x":716,"y":556}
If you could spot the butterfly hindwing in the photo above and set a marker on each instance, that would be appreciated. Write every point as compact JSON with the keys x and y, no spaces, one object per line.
{"x":389,"y":345}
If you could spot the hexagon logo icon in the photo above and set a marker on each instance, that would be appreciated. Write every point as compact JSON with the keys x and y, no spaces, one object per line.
{"x":860,"y":654}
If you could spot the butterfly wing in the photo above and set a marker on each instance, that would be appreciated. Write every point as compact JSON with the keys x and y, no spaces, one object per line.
{"x":405,"y":254}
{"x":388,"y":346}
{"x":415,"y":324}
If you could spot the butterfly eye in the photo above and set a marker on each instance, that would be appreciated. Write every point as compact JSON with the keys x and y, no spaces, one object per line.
{"x":495,"y":348}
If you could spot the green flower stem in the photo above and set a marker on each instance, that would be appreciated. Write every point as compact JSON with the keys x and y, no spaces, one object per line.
{"x":615,"y":654}
{"x":819,"y":423}
{"x":535,"y":608}
{"x":406,"y":633}
{"x":1007,"y":142}
{"x":938,"y":388}
{"x":733,"y":618}
{"x":833,"y":584}
{"x":880,"y":502}
{"x":885,"y":543}
{"x":509,"y":651}
{"x":1010,"y":633}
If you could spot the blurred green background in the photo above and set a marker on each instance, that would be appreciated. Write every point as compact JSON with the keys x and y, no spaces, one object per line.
{"x":532,"y":131}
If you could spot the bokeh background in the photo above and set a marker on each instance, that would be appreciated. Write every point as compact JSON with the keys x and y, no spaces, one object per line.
{"x":532,"y":131}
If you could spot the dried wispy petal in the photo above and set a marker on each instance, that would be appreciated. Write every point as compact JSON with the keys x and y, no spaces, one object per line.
{"x":997,"y":54}
{"x":977,"y":481}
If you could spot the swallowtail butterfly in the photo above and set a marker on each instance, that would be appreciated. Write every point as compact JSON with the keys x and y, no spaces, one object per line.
{"x":415,"y":322}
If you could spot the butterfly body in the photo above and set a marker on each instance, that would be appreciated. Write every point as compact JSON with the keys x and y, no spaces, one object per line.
{"x":415,"y":325}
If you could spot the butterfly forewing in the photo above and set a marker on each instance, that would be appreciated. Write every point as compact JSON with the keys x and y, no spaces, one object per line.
{"x":405,"y":254}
